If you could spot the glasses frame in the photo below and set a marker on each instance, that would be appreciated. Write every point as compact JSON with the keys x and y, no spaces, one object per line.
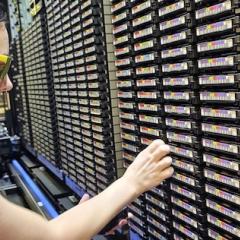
{"x":6,"y":60}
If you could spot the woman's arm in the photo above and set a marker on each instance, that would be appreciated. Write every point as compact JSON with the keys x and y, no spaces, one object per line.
{"x":87,"y":219}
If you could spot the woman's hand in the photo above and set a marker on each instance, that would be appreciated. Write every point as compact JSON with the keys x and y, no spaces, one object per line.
{"x":150,"y":167}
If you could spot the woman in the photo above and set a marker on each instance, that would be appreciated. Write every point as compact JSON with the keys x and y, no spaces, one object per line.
{"x":84,"y":221}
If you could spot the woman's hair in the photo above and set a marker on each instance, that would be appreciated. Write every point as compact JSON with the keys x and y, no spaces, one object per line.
{"x":3,"y":14}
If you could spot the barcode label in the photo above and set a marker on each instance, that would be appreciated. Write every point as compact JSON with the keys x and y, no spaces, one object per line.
{"x":171,"y":8}
{"x":141,"y":20}
{"x":220,"y":208}
{"x":219,"y":223}
{"x":232,"y":131}
{"x":213,"y":10}
{"x":143,"y":33}
{"x":176,"y":81}
{"x":177,"y":95}
{"x":174,"y":52}
{"x":184,"y":179}
{"x":172,"y":23}
{"x":141,"y":7}
{"x":177,"y":109}
{"x":148,"y":107}
{"x":232,"y":148}
{"x":149,"y":119}
{"x":185,"y":230}
{"x":121,"y":51}
{"x":219,"y":113}
{"x":119,"y":17}
{"x":175,"y":67}
{"x":173,"y":38}
{"x":179,"y":137}
{"x":182,"y":151}
{"x":183,"y":165}
{"x":147,"y":95}
{"x":222,"y":194}
{"x":178,"y":123}
{"x":146,"y":82}
{"x":216,"y":79}
{"x":218,"y":96}
{"x":215,"y":27}
{"x":183,"y":204}
{"x":184,"y":218}
{"x":215,"y":45}
{"x":216,"y":62}
{"x":143,"y":45}
{"x":222,"y":178}
{"x":221,"y":162}
{"x":144,"y":58}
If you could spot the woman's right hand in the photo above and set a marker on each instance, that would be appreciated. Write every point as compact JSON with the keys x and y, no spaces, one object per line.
{"x":150,"y":167}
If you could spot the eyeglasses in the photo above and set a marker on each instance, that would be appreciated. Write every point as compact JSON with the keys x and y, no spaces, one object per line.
{"x":5,"y":62}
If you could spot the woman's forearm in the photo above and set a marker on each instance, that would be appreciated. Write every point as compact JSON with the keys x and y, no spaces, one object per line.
{"x":87,"y":219}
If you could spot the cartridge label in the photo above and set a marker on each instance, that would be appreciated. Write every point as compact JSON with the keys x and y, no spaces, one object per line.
{"x":213,"y":10}
{"x":150,"y":131}
{"x":144,"y":58}
{"x":177,"y":95}
{"x":221,"y":162}
{"x":232,"y":148}
{"x":218,"y":96}
{"x":222,"y":194}
{"x":184,"y":179}
{"x":215,"y":45}
{"x":143,"y":45}
{"x":119,"y":17}
{"x":182,"y":151}
{"x":216,"y":79}
{"x":143,"y":33}
{"x":140,"y":7}
{"x":121,"y":28}
{"x":232,"y":131}
{"x":118,"y":6}
{"x":141,"y":20}
{"x":147,"y":95}
{"x":121,"y":51}
{"x":145,"y":70}
{"x":184,"y":205}
{"x":177,"y":109}
{"x":174,"y":52}
{"x":173,"y":38}
{"x":148,"y":107}
{"x":178,"y":123}
{"x":219,"y":223}
{"x":222,"y":209}
{"x":222,"y":178}
{"x":175,"y":67}
{"x":172,"y":23}
{"x":129,"y":116}
{"x":171,"y":8}
{"x":219,"y":113}
{"x":184,"y":218}
{"x":185,"y":231}
{"x":215,"y":27}
{"x":126,"y":105}
{"x":179,"y":137}
{"x":146,"y":82}
{"x":149,"y":119}
{"x":183,"y":191}
{"x":183,"y":165}
{"x":176,"y":81}
{"x":216,"y":62}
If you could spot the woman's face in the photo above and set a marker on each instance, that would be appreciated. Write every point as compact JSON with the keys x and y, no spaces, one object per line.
{"x":5,"y":84}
